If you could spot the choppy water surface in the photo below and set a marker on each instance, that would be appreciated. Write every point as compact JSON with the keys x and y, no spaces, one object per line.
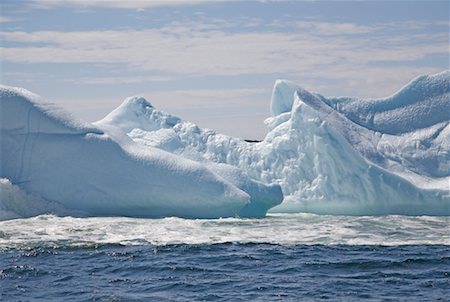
{"x":281,"y":257}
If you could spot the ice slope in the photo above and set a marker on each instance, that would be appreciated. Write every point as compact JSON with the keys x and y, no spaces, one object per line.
{"x":52,"y":163}
{"x":329,"y":155}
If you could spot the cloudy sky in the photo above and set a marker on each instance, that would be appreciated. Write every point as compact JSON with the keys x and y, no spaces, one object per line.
{"x":212,"y":62}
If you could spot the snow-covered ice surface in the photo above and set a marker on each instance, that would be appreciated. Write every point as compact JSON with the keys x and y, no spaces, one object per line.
{"x":328,"y":155}
{"x":51,"y":163}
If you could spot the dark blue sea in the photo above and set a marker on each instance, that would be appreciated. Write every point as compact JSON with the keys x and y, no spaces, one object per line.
{"x":392,"y":258}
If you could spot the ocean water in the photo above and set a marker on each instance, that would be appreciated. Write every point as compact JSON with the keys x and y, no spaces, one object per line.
{"x":301,"y":257}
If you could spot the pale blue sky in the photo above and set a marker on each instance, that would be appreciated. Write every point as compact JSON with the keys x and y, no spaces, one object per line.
{"x":212,"y":62}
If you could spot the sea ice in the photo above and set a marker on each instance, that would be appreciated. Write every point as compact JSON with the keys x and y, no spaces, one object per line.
{"x":98,"y":170}
{"x":324,"y":155}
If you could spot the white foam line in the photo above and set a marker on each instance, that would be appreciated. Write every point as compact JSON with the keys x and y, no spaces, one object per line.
{"x":284,"y":229}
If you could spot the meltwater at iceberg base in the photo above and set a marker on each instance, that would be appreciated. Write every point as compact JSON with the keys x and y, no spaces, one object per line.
{"x":337,"y":156}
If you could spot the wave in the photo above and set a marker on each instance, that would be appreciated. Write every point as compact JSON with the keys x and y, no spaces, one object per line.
{"x":282,"y":229}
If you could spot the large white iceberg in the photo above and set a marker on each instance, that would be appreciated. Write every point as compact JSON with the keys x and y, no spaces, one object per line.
{"x":49,"y":158}
{"x":329,"y":155}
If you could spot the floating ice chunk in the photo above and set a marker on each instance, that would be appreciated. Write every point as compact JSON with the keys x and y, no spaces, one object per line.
{"x":100,"y":170}
{"x":328,"y":156}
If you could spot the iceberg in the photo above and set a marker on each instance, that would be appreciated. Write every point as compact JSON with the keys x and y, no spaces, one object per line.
{"x":53,"y":163}
{"x":338,"y":156}
{"x":343,"y":156}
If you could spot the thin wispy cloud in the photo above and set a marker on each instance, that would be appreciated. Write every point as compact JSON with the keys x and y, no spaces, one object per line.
{"x":122,"y":80}
{"x":142,"y":4}
{"x":207,"y":94}
{"x":188,"y":51}
{"x":4,"y":19}
{"x":331,"y":29}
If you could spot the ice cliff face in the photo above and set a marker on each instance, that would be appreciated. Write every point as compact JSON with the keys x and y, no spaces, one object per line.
{"x":58,"y":165}
{"x":329,"y":155}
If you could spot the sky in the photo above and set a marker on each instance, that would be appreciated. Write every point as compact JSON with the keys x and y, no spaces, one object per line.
{"x":215,"y":63}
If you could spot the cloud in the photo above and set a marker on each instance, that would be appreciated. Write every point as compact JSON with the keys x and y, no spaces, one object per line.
{"x":102,"y":80}
{"x":330,"y":58}
{"x":328,"y":28}
{"x":5,"y":19}
{"x":199,"y":50}
{"x":236,"y":97}
{"x":129,"y":4}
